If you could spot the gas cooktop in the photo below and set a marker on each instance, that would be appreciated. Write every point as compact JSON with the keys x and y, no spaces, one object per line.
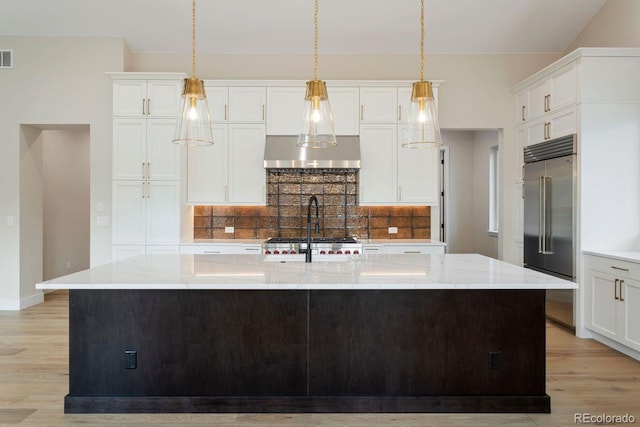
{"x":314,"y":240}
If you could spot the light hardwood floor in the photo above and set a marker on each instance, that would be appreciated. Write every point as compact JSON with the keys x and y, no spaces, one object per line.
{"x":582,"y":376}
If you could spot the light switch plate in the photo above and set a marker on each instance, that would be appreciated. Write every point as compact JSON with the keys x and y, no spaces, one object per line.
{"x":229,"y":230}
{"x":393,"y":230}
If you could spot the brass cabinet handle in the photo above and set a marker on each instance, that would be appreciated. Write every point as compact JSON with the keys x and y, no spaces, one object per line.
{"x":143,"y":170}
{"x":399,"y":113}
{"x":619,"y":268}
{"x":615,"y":289}
{"x":412,"y":252}
{"x":143,"y":107}
{"x":361,"y":112}
{"x":148,"y":170}
{"x":148,"y":107}
{"x":399,"y":193}
{"x":225,"y":111}
{"x":621,"y":297}
{"x":523,"y":107}
{"x":262,"y":111}
{"x":226,"y":193}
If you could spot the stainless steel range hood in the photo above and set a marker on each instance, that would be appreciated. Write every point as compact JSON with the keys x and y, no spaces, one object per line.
{"x":281,"y":152}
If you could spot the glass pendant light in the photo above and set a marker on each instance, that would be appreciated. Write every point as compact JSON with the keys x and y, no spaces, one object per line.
{"x":317,"y":122}
{"x":422,"y":126}
{"x":194,"y":123}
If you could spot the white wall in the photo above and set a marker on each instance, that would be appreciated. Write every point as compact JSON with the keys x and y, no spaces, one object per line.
{"x":615,"y":25}
{"x":30,"y":219}
{"x":468,"y":192}
{"x":482,"y":142}
{"x":54,"y":81}
{"x":460,"y":191}
{"x":66,"y":201}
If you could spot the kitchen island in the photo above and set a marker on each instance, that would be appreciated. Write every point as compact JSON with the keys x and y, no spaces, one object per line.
{"x":261,"y":333}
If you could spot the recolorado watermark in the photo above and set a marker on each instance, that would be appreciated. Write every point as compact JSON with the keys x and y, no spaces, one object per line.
{"x":587,"y":418}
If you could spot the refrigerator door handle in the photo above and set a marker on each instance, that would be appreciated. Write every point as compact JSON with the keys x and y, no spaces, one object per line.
{"x":546,"y":234}
{"x":541,"y":225}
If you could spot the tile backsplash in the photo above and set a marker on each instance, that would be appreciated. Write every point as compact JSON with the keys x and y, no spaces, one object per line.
{"x":286,"y":212}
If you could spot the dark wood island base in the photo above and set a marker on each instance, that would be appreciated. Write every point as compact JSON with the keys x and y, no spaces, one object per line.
{"x":306,"y":351}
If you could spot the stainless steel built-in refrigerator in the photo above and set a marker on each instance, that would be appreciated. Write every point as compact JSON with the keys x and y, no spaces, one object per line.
{"x":549,"y":217}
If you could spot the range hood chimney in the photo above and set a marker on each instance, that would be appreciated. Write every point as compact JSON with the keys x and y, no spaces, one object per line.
{"x":281,"y":152}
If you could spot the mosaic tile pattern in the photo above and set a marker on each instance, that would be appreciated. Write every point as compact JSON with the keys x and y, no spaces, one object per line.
{"x":288,"y":193}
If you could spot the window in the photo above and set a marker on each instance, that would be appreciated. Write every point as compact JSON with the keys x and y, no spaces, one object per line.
{"x":494,"y":173}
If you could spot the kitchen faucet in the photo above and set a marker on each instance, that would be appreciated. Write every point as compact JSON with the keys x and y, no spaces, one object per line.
{"x":312,"y":199}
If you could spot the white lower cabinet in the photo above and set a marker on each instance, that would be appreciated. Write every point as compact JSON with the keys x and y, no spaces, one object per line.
{"x":222,"y":249}
{"x":146,"y":212}
{"x":612,"y":297}
{"x":400,"y":248}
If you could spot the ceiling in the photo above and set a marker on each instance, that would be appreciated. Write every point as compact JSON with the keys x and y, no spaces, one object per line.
{"x":286,"y":26}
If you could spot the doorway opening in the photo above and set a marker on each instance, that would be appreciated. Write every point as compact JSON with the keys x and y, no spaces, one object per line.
{"x":54,"y":203}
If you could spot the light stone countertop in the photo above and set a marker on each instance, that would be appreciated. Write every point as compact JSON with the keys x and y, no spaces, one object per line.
{"x":278,"y":272}
{"x":363,"y":241}
{"x":631,"y":256}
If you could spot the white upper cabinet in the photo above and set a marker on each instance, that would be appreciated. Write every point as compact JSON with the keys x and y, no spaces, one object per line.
{"x":247,"y":177}
{"x":218,"y":101}
{"x":247,"y":104}
{"x":417,"y":173}
{"x":285,"y":105}
{"x":344,"y":109}
{"x":142,"y":149}
{"x":404,"y":103}
{"x":284,"y":110}
{"x":146,"y":98}
{"x":548,"y":95}
{"x":207,"y":169}
{"x":378,"y":105}
{"x":378,"y":175}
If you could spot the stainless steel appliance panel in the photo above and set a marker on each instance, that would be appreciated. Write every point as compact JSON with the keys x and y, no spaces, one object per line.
{"x":559,"y":218}
{"x":533,"y":215}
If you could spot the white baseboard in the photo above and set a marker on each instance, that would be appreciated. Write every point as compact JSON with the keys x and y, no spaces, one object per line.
{"x":8,"y":304}
{"x":617,"y":346}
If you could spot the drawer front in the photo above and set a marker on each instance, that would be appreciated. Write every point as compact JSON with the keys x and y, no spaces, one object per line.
{"x":613,"y":266}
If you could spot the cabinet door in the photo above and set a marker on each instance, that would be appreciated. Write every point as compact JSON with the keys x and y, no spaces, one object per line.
{"x":538,"y":131}
{"x":129,"y":210}
{"x":418,"y":172}
{"x":522,"y":106}
{"x":563,"y":122}
{"x":630,"y":296}
{"x":247,"y":176}
{"x":129,"y":98}
{"x":218,"y":100}
{"x":163,"y":213}
{"x":207,"y":169}
{"x":247,"y":104}
{"x":129,"y":148}
{"x":564,"y":87}
{"x":378,"y":175}
{"x":163,"y":156}
{"x":378,"y":105}
{"x":164,"y":97}
{"x":284,"y":110}
{"x":538,"y":100}
{"x":404,"y":103}
{"x":344,"y":109}
{"x":604,"y":309}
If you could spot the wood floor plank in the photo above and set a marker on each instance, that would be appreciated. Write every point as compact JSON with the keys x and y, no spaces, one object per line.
{"x":583,"y":376}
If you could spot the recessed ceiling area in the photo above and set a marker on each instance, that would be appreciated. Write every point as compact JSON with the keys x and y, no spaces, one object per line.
{"x":286,"y":26}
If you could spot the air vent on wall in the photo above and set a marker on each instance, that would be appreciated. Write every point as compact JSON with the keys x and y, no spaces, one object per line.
{"x":6,"y":58}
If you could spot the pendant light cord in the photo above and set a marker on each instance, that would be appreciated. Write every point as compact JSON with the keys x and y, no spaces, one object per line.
{"x":193,"y":39}
{"x":315,"y":40}
{"x":421,"y":40}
